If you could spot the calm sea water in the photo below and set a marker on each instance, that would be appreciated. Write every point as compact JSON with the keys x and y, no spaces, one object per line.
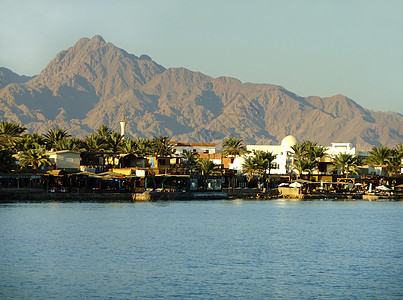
{"x":202,"y":250}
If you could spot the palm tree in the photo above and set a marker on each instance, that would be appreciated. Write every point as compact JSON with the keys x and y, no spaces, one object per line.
{"x":30,"y":141}
{"x":399,"y":150}
{"x":346,"y":163}
{"x":10,"y":135}
{"x":259,"y":164}
{"x":207,"y":167}
{"x":233,"y":146}
{"x":35,"y":158}
{"x":114,"y":142}
{"x":6,"y":160}
{"x":266,"y":158}
{"x":73,"y":144}
{"x":394,"y":161}
{"x":299,"y":150}
{"x":162,"y":147}
{"x":379,"y":156}
{"x":144,"y":147}
{"x":129,"y":146}
{"x":94,"y":143}
{"x":190,"y":159}
{"x":316,"y":152}
{"x":305,"y":165}
{"x":114,"y":145}
{"x":104,"y":132}
{"x":250,"y":167}
{"x":54,"y":135}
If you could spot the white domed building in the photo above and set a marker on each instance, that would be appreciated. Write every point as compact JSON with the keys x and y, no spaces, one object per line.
{"x":284,"y":161}
{"x":289,"y":141}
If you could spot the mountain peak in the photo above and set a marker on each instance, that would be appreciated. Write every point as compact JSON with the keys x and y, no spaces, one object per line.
{"x":98,"y":39}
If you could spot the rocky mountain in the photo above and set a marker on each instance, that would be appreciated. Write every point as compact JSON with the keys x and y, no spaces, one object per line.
{"x":95,"y":82}
{"x":7,"y":76}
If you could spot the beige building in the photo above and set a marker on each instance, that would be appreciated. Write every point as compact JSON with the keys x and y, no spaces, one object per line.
{"x":65,"y":159}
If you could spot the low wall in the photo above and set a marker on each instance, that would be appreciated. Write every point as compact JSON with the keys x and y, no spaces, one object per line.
{"x":156,"y":196}
{"x":11,"y":196}
{"x":288,"y":192}
{"x":21,"y":195}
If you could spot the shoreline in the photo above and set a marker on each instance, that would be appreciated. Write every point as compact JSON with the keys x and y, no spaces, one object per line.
{"x":38,"y":196}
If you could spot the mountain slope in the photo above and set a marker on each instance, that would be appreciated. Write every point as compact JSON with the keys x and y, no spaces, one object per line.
{"x":94,"y":83}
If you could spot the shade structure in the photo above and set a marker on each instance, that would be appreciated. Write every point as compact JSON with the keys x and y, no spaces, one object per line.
{"x":89,"y":174}
{"x":296,"y":184}
{"x":382,"y":188}
{"x":112,"y":174}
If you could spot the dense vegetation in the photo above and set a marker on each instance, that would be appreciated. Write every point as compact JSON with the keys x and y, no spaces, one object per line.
{"x":307,"y":153}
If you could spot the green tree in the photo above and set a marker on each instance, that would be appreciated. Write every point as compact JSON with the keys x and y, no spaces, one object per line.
{"x":30,"y":141}
{"x":299,"y":150}
{"x":190,"y":159}
{"x":394,"y":161}
{"x":250,"y":167}
{"x":104,"y":132}
{"x":162,"y":147}
{"x":208,"y":167}
{"x":304,"y":165}
{"x":34,"y":158}
{"x":233,"y":146}
{"x":7,"y":162}
{"x":129,"y":146}
{"x":346,"y":163}
{"x":316,"y":152}
{"x":144,"y":147}
{"x":54,"y":135}
{"x":73,"y":144}
{"x":265,"y":159}
{"x":10,"y":135}
{"x":94,"y":143}
{"x":115,"y":142}
{"x":259,"y":164}
{"x":379,"y":157}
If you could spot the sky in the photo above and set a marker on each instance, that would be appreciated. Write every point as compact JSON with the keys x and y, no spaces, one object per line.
{"x":310,"y":47}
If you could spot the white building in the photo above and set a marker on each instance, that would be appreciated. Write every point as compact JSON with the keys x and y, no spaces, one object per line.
{"x":194,"y":147}
{"x":65,"y":159}
{"x":284,"y":160}
{"x":338,"y":148}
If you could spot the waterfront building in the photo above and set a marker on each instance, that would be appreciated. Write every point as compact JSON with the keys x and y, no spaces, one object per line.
{"x":65,"y":159}
{"x":283,"y":164}
{"x":338,"y":148}
{"x":179,"y":147}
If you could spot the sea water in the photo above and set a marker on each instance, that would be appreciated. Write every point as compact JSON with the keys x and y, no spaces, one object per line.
{"x":202,"y":250}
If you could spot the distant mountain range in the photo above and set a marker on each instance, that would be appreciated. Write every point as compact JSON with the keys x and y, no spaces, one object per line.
{"x":95,"y":82}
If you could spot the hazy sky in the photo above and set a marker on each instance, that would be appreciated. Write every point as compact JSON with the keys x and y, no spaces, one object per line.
{"x":311,"y":47}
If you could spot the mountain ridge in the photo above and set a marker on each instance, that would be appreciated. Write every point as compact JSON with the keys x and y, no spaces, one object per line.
{"x":94,"y":82}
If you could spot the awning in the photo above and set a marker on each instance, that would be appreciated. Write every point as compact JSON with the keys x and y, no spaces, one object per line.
{"x":56,"y":173}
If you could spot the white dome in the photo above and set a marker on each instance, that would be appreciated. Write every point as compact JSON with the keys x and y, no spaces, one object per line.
{"x":289,"y":141}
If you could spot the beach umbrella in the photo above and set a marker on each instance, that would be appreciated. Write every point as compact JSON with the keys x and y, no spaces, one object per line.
{"x":358,"y":184}
{"x":283,"y":184}
{"x":296,"y":184}
{"x":382,"y":188}
{"x":370,"y":187}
